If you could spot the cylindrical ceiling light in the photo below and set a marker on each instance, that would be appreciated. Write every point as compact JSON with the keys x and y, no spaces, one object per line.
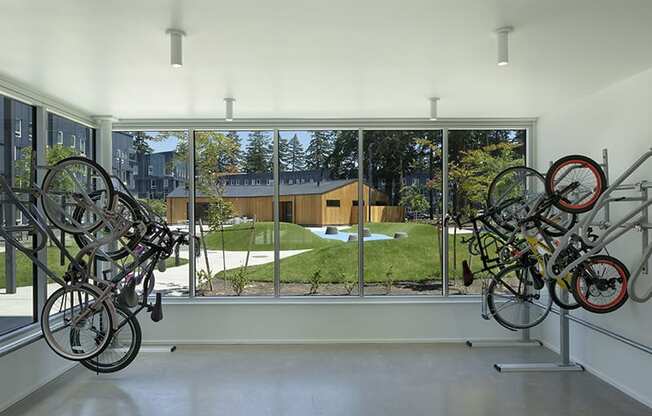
{"x":176,"y":47}
{"x":433,"y":108}
{"x":229,"y":108}
{"x":503,"y":44}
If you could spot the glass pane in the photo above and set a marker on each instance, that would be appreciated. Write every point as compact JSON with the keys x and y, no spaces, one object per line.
{"x":152,"y":167}
{"x":16,"y":270}
{"x":66,"y":138}
{"x":475,"y":158}
{"x":402,"y":250}
{"x":233,"y":212}
{"x":318,"y":211}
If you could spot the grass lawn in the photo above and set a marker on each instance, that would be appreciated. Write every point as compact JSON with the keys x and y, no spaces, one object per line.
{"x":293,"y":237}
{"x":415,"y":258}
{"x":24,"y":275}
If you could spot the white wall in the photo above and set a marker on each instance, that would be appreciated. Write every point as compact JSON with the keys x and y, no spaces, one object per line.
{"x":25,"y":370}
{"x":274,"y":322}
{"x":617,"y":118}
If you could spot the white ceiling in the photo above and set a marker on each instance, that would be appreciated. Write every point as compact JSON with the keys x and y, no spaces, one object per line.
{"x":335,"y":58}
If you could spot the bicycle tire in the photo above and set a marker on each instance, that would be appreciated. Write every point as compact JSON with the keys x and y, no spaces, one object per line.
{"x":96,"y":363}
{"x":561,"y":201}
{"x":133,"y":239}
{"x":49,"y":331}
{"x":47,"y":190}
{"x":552,"y":289}
{"x":580,"y":276}
{"x":492,"y":295}
{"x":496,"y":203}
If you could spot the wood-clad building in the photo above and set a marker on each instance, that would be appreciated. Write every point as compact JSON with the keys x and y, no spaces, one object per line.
{"x":333,"y":202}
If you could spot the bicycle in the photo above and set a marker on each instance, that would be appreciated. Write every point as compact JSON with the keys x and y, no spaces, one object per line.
{"x":612,"y":285}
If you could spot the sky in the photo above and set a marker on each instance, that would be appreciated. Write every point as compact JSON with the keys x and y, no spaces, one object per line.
{"x":171,"y":143}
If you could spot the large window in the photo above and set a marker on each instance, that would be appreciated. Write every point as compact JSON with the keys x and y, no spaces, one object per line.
{"x":320,"y":200}
{"x":402,"y":250}
{"x":17,"y":274}
{"x":152,"y":167}
{"x":318,"y":183}
{"x":234,"y":217}
{"x":475,"y":157}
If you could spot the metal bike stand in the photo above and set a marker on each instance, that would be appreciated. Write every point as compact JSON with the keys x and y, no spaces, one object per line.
{"x":158,"y":348}
{"x":525,"y":340}
{"x":565,"y":364}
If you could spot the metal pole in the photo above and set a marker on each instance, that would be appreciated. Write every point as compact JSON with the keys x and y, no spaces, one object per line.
{"x":361,"y":209}
{"x":192,"y":266}
{"x":444,"y":213}
{"x":40,"y":137}
{"x":605,"y":169}
{"x":277,"y":224}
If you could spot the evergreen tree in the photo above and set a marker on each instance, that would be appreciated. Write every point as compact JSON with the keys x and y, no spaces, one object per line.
{"x":258,"y":154}
{"x":237,"y":157}
{"x":283,"y":153}
{"x":296,"y":155}
{"x":319,"y":149}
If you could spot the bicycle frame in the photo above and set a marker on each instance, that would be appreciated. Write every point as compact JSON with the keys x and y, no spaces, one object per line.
{"x":633,"y":219}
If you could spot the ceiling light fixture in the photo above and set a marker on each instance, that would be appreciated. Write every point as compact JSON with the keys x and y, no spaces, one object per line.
{"x":229,"y":108}
{"x":176,"y":47}
{"x":503,"y":46}
{"x":433,"y":108}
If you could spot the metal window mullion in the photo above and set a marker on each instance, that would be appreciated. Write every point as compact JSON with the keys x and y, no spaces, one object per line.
{"x":361,"y":210}
{"x":444,"y":213}
{"x":192,"y":266}
{"x":40,"y":135}
{"x":275,"y":208}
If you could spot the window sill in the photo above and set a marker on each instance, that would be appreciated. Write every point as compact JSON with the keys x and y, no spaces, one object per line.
{"x":323,"y":300}
{"x":19,"y":338}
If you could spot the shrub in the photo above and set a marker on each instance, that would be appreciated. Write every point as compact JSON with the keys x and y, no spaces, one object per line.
{"x":239,"y":281}
{"x":349,"y":283}
{"x":315,"y":281}
{"x":389,"y":280}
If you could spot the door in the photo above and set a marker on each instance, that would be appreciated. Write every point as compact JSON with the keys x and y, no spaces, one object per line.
{"x":285,"y":211}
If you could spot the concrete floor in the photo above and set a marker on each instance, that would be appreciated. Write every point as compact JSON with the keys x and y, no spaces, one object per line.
{"x":417,"y":379}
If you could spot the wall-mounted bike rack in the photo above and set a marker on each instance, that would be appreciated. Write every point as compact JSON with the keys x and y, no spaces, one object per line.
{"x":565,"y":364}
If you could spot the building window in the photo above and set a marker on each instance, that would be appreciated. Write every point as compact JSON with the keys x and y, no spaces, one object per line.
{"x":82,"y":145}
{"x":19,"y":128}
{"x":150,"y":170}
{"x":333,"y":203}
{"x":290,"y":182}
{"x":153,"y":184}
{"x":73,"y":141}
{"x":30,"y":130}
{"x":165,"y":183}
{"x":59,"y":137}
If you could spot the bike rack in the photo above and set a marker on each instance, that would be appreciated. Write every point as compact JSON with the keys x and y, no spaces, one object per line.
{"x":565,"y":364}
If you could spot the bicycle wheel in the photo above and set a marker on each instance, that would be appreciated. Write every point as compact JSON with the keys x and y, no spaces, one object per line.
{"x":512,"y":193}
{"x":563,"y":221}
{"x":576,"y":182}
{"x":600,"y":284}
{"x":556,"y":288}
{"x":126,"y":209}
{"x":76,"y":311}
{"x":68,"y":185}
{"x":123,"y":347}
{"x":514,"y":300}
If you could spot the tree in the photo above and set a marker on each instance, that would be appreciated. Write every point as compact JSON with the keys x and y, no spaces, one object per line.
{"x":140,"y":142}
{"x":296,"y":158}
{"x":258,"y":154}
{"x":237,"y":155}
{"x":283,"y":153}
{"x":342,"y":162}
{"x":413,"y":200}
{"x":472,"y":174}
{"x":319,"y":149}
